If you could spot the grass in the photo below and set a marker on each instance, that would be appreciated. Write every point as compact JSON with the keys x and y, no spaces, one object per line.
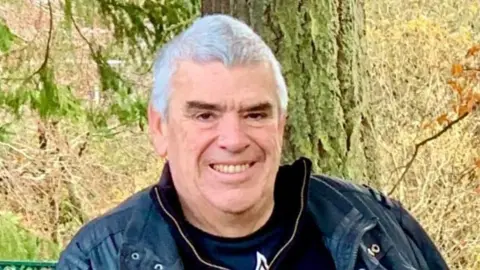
{"x":411,"y":47}
{"x":16,"y":243}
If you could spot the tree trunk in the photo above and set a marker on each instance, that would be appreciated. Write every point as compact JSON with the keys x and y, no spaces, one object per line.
{"x":319,"y":44}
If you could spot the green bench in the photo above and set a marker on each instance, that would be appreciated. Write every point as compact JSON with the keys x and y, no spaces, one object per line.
{"x":26,"y":265}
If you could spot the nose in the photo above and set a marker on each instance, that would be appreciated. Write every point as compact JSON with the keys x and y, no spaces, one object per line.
{"x":231,"y":135}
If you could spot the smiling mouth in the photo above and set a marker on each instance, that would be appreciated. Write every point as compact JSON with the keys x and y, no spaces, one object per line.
{"x":230,"y":168}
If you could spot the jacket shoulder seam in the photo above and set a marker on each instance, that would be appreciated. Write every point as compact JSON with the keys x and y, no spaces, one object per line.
{"x":101,"y":241}
{"x":371,"y":193}
{"x":98,"y":222}
{"x":341,"y":185}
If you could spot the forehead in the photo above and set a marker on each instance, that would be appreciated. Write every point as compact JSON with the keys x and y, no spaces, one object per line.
{"x":214,"y":80}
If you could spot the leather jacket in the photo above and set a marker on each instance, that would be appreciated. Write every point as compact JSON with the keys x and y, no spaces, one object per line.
{"x":362,"y":228}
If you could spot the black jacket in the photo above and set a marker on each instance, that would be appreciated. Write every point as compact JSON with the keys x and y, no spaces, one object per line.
{"x":362,"y":229}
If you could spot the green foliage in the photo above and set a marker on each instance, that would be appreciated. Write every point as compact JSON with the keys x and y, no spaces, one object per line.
{"x":138,"y":27}
{"x":143,"y":25}
{"x":16,"y":243}
{"x":13,"y":101}
{"x":5,"y":133}
{"x":6,"y":37}
{"x":47,"y":102}
{"x":68,"y":11}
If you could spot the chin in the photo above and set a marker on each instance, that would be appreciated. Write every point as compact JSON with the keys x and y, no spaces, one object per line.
{"x":237,"y":204}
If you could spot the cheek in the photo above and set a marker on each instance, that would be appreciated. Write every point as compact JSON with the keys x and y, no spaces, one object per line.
{"x":269,"y":138}
{"x":189,"y":139}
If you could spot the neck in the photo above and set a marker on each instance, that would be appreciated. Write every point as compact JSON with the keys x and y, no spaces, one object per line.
{"x":229,"y":225}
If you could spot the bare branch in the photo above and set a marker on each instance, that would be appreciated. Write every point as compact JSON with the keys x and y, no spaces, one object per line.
{"x":422,"y":143}
{"x":79,"y":31}
{"x":50,"y":34}
{"x":48,"y":47}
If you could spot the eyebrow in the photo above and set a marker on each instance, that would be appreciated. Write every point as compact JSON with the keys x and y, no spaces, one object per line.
{"x":200,"y":105}
{"x":262,"y":106}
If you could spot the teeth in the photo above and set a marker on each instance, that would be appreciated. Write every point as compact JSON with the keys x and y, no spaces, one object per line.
{"x":231,"y":168}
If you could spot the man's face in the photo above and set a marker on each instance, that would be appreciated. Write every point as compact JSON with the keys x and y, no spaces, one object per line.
{"x":222,"y":135}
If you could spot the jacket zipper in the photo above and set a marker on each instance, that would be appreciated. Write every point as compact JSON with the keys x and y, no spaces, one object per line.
{"x":183,"y":235}
{"x":297,"y":222}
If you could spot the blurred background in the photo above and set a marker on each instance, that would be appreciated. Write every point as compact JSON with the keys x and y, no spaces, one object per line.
{"x":382,"y":92}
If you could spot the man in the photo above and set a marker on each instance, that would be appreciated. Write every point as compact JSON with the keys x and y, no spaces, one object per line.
{"x":217,"y":114}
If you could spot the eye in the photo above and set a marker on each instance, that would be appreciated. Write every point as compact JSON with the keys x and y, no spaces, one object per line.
{"x":257,"y":116}
{"x":205,"y":116}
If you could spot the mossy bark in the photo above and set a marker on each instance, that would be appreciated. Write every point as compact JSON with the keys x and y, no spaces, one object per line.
{"x":319,"y":44}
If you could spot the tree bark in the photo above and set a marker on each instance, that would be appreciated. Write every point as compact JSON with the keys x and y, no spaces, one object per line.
{"x":320,"y":46}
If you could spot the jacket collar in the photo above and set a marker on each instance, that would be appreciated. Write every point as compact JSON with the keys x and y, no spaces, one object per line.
{"x":340,"y":222}
{"x":290,"y":201}
{"x":296,"y":191}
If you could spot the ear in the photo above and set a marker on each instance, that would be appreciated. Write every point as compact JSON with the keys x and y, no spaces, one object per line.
{"x":158,"y":131}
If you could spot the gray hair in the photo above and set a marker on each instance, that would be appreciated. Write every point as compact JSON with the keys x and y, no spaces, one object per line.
{"x":213,"y":38}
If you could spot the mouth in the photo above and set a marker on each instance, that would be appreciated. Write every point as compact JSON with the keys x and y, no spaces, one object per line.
{"x":231,"y":168}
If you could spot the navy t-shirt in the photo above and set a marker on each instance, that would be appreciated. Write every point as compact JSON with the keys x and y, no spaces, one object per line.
{"x":289,"y":229}
{"x":256,"y":251}
{"x":242,"y":252}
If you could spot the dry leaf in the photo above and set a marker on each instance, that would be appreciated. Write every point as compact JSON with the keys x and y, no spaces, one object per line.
{"x":443,"y":119}
{"x":463,"y":110}
{"x":457,"y":69}
{"x":455,"y":87}
{"x":427,"y":125}
{"x":476,"y":97}
{"x":473,"y":50}
{"x":471,"y":105}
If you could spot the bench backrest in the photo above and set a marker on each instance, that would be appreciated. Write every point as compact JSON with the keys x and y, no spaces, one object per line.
{"x":26,"y":265}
